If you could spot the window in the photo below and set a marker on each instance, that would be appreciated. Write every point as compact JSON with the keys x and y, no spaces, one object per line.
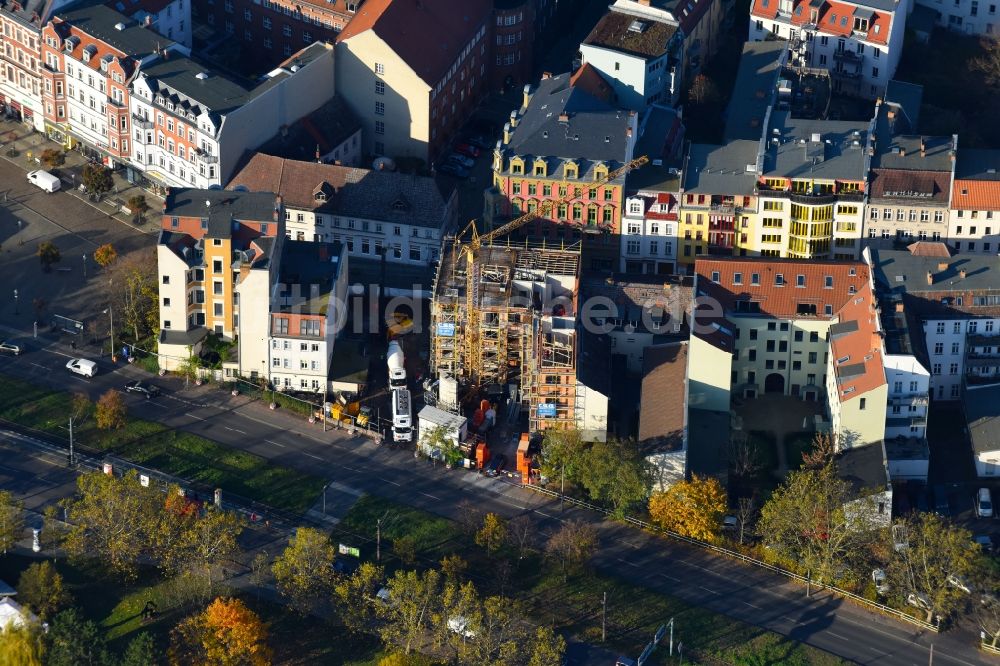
{"x":755,"y":279}
{"x":954,"y":348}
{"x":938,"y":348}
{"x":862,"y":404}
{"x":874,"y":72}
{"x":379,"y":127}
{"x":936,"y":369}
{"x":379,"y":68}
{"x":379,"y":87}
{"x":940,"y":326}
{"x":310,"y":327}
{"x":737,"y":278}
{"x":379,"y":108}
{"x":281,"y":326}
{"x":166,"y":279}
{"x":800,"y":280}
{"x":953,"y":369}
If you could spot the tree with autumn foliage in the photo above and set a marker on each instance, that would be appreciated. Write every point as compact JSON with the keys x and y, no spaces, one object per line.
{"x":692,"y":508}
{"x":227,"y":633}
{"x":303,"y":573}
{"x":111,"y":411}
{"x":493,"y":534}
{"x":105,"y":255}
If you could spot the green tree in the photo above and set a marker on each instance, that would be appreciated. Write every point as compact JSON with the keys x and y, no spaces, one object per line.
{"x":547,"y":648}
{"x":141,"y":651}
{"x":80,"y":408}
{"x":405,"y":548}
{"x":22,"y":646}
{"x":692,"y":508}
{"x":936,"y":550}
{"x":48,"y":254}
{"x":459,"y":602}
{"x":42,"y":589}
{"x":453,"y":567}
{"x":138,"y":205}
{"x":52,"y":158}
{"x":11,"y":520}
{"x":105,"y":255}
{"x":572,"y":546}
{"x":303,"y":573}
{"x":111,"y":519}
{"x":400,"y":659}
{"x":561,"y":455}
{"x":415,"y":602}
{"x":355,"y":595}
{"x":111,"y":411}
{"x":988,"y":617}
{"x":500,"y":634}
{"x":807,"y":521}
{"x":97,"y":178}
{"x":135,"y":293}
{"x":614,"y":473}
{"x":72,"y":640}
{"x":493,"y":534}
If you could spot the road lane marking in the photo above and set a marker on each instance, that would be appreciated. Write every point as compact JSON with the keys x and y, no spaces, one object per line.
{"x":788,"y":619}
{"x":676,"y":580}
{"x":542,"y":513}
{"x":194,"y":417}
{"x":429,"y":495}
{"x":709,"y":590}
{"x":38,"y":365}
{"x":306,"y":453}
{"x":271,"y":441}
{"x":753,"y":605}
{"x":384,"y":480}
{"x":234,"y":430}
{"x":836,"y":635}
{"x":631,"y":564}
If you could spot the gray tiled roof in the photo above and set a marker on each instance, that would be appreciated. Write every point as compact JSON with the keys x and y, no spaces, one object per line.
{"x":976,"y":164}
{"x":863,"y":467}
{"x":753,"y":91}
{"x":191,"y":202}
{"x":313,"y":268}
{"x":658,"y":142}
{"x":907,"y":96}
{"x":99,"y":20}
{"x":721,"y":169}
{"x":901,"y":272}
{"x":179,"y":76}
{"x":839,"y":154}
{"x":982,"y":415}
{"x":594,"y":131}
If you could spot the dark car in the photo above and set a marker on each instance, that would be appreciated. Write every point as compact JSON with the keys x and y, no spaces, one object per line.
{"x":453,"y":169}
{"x":139,"y":387}
{"x":467,"y":149}
{"x":496,"y":464}
{"x":461,"y":160}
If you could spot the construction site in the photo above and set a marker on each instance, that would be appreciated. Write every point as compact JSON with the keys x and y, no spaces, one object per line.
{"x":503,"y":323}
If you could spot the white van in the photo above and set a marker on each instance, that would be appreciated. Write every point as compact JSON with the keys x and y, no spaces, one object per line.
{"x":402,"y":420}
{"x":984,"y":504}
{"x":44,"y":180}
{"x":81,"y":366}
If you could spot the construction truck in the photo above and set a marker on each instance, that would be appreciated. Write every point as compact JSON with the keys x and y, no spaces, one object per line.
{"x":395,"y":361}
{"x":347,"y":409}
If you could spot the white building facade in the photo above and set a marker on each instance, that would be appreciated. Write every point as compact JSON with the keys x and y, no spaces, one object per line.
{"x":909,"y":388}
{"x":649,"y":238}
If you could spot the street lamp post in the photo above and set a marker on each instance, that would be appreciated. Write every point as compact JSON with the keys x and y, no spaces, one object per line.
{"x":16,"y":311}
{"x":85,"y":266}
{"x":111,"y":315}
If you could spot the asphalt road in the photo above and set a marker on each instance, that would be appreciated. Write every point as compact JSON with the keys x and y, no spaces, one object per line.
{"x":355,"y":466}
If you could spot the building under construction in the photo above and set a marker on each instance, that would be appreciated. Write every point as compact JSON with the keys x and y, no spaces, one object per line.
{"x":504,"y":319}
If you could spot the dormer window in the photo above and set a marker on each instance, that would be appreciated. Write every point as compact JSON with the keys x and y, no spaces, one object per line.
{"x":571,"y":170}
{"x":540,"y":168}
{"x":399,"y":205}
{"x":860,"y":24}
{"x":517,"y":165}
{"x":320,"y":196}
{"x":600,"y":171}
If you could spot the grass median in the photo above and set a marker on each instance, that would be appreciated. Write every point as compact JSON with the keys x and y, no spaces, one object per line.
{"x":574,"y":606}
{"x":154,"y":445}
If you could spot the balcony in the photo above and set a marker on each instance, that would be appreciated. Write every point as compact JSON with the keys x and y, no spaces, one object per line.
{"x":206,"y":158}
{"x":141,"y":122}
{"x":844,"y":74}
{"x":849,"y":57}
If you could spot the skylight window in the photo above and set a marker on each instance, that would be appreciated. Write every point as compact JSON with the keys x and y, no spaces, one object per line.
{"x":638,"y":26}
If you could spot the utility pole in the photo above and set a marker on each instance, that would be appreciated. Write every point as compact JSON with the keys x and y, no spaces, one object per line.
{"x":808,"y":583}
{"x":562,"y":489}
{"x":71,"y":441}
{"x":604,"y":618}
{"x":671,"y":637}
{"x":930,"y":661}
{"x":378,"y":537}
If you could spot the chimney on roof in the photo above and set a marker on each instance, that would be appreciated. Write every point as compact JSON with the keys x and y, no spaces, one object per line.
{"x":902,"y":151}
{"x":506,"y":133}
{"x":513,"y":119}
{"x":277,"y":207}
{"x":951,"y":154}
{"x":942,"y":265}
{"x":923,"y":147}
{"x":930,"y":278}
{"x":546,"y":76}
{"x":628,"y":131}
{"x":644,"y":3}
{"x":149,"y":20}
{"x":564,"y":117}
{"x":961,"y":274}
{"x":899,"y":306}
{"x":526,"y":95}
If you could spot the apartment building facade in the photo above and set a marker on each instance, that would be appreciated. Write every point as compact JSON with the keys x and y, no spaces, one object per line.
{"x":90,"y":56}
{"x":411,"y":99}
{"x":860,"y":43}
{"x":170,"y":18}
{"x":955,"y":302}
{"x":974,"y":218}
{"x":558,"y":150}
{"x":209,"y":240}
{"x":268,"y":32}
{"x":970,"y":17}
{"x":194,"y":125}
{"x":371,"y":212}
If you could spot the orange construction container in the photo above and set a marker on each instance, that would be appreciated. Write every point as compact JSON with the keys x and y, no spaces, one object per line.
{"x":523,"y":459}
{"x":482,"y":455}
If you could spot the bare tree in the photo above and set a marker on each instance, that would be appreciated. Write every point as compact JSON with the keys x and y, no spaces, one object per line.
{"x":519,"y":531}
{"x":746,"y":512}
{"x":823,"y":451}
{"x":743,"y":455}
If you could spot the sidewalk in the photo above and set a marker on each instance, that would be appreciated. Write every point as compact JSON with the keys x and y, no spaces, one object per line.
{"x":28,"y":145}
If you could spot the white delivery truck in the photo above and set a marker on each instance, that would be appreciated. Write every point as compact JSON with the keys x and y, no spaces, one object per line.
{"x":44,"y":180}
{"x":402,"y":420}
{"x":397,"y":369}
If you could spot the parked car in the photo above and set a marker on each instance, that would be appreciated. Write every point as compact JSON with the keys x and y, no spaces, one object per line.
{"x":984,"y":504}
{"x":139,"y":387}
{"x":459,"y":625}
{"x":453,"y":169}
{"x":460,"y":160}
{"x":984,"y":542}
{"x":960,"y":583}
{"x":480,"y":141}
{"x":467,"y":149}
{"x":624,"y":661}
{"x":879,"y":578}
{"x":496,"y":464}
{"x":44,"y":180}
{"x":918,"y":600}
{"x":730,"y":523}
{"x":81,"y":366}
{"x":10,"y":348}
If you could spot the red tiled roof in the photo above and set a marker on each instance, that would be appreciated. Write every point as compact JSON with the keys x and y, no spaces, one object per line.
{"x":590,"y":81}
{"x":929,"y":249}
{"x":801,"y":15}
{"x":427,"y":35}
{"x":661,"y":413}
{"x":860,"y":347}
{"x":976,"y":195}
{"x":781,"y":301}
